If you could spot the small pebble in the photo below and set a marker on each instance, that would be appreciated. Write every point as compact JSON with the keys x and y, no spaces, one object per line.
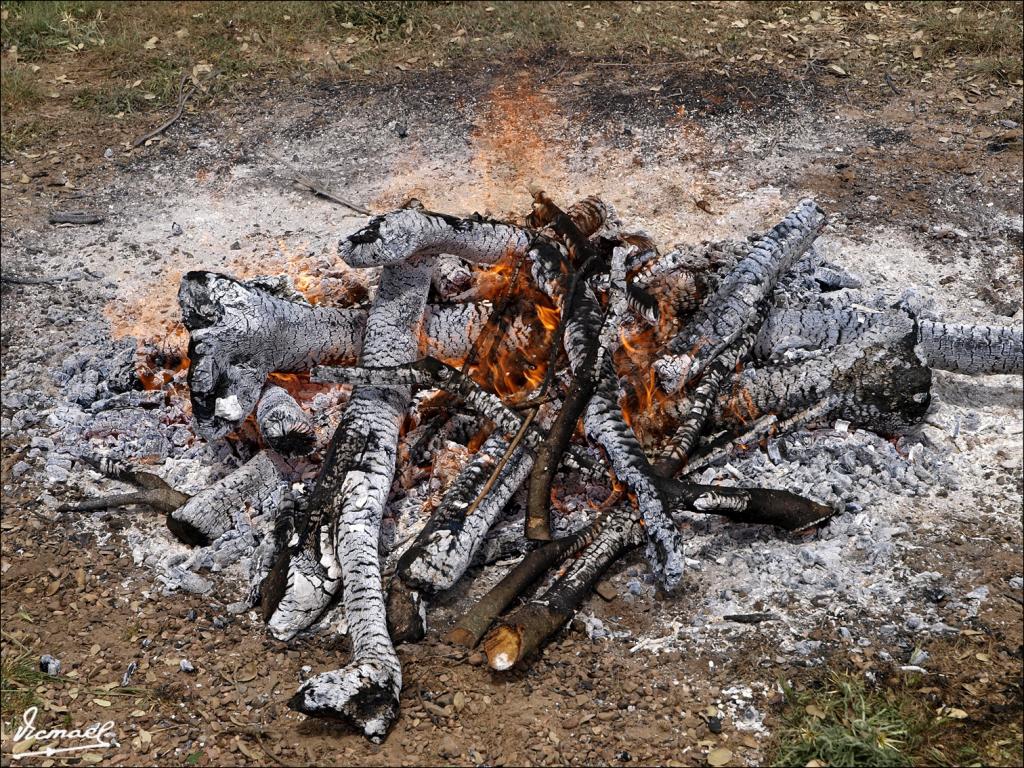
{"x":186,"y":666}
{"x":50,"y":665}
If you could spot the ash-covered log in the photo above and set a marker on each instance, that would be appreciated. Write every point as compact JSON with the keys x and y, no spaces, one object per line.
{"x":209,"y":513}
{"x":352,"y":489}
{"x":240,"y":332}
{"x":734,"y":304}
{"x":963,"y":348}
{"x":880,"y":381}
{"x":283,"y":424}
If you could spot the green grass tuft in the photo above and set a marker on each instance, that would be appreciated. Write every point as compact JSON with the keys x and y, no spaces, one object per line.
{"x":19,"y":677}
{"x":844,"y":724}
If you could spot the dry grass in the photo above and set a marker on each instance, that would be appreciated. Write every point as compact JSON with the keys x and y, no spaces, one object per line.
{"x":124,"y":59}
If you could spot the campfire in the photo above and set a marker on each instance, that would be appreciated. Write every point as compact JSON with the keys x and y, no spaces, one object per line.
{"x":563,"y":355}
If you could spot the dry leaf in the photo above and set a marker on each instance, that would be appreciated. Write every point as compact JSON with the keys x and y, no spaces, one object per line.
{"x":101,"y":702}
{"x":247,"y":752}
{"x":918,"y":51}
{"x":151,"y":43}
{"x":956,"y":714}
{"x":836,"y":69}
{"x":181,"y":34}
{"x":720,"y":756}
{"x":815,"y":15}
{"x":815,"y":711}
{"x":704,"y":205}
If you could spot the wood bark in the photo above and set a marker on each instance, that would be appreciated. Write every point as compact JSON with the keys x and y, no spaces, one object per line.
{"x":472,"y":625}
{"x":522,"y":633}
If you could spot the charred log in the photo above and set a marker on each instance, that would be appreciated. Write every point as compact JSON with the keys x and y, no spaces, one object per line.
{"x":352,"y":489}
{"x":284,"y":425}
{"x":209,"y":513}
{"x":972,"y":349}
{"x":446,"y":545}
{"x":730,"y":310}
{"x":405,"y":234}
{"x":240,"y":332}
{"x":880,"y":381}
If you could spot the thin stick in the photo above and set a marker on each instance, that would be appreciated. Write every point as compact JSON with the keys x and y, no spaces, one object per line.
{"x":322,"y":191}
{"x":182,"y":98}
{"x":512,"y":446}
{"x":7,"y":277}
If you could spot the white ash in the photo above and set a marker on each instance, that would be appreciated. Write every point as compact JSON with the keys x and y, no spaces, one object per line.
{"x":846,"y":469}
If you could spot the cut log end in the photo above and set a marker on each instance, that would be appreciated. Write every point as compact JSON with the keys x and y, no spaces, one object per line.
{"x":504,"y":647}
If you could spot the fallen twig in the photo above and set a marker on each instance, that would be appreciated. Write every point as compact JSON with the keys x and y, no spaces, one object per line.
{"x":75,"y":217}
{"x":70,"y":277}
{"x":318,"y":189}
{"x":183,"y":96}
{"x":750,"y":618}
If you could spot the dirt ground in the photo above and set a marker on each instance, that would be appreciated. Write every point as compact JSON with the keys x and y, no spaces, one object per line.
{"x":923,"y":180}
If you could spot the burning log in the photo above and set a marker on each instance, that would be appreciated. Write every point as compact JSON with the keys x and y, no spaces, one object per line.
{"x":283,"y":423}
{"x":240,"y":332}
{"x":580,"y":309}
{"x":429,"y":372}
